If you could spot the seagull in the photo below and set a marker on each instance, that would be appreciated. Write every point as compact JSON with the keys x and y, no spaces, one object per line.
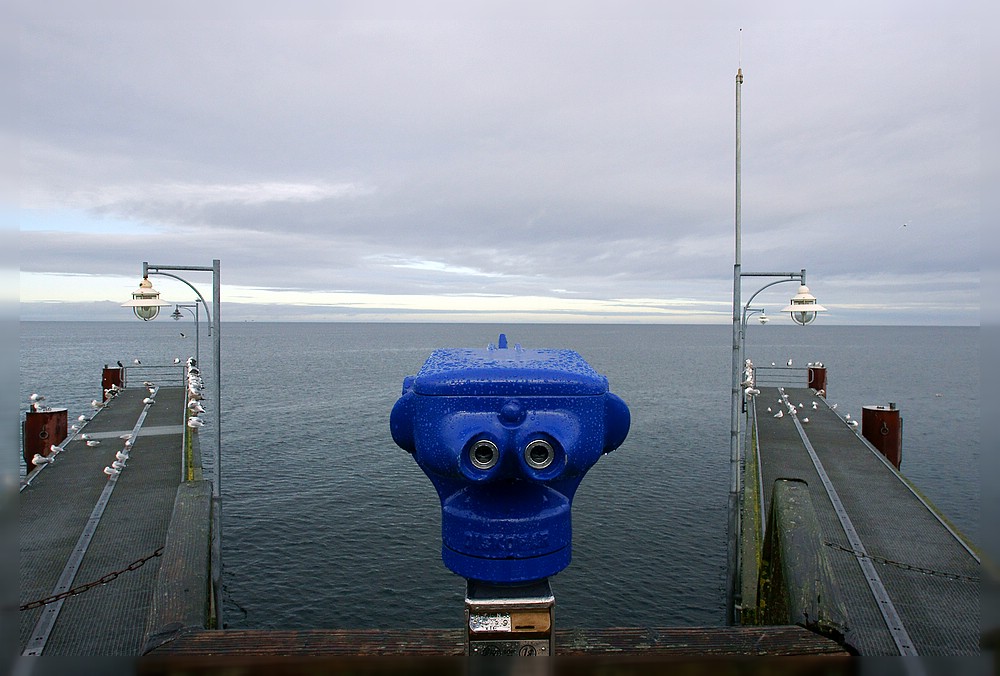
{"x":95,"y":403}
{"x":847,"y":416}
{"x":128,"y":444}
{"x":148,"y":400}
{"x":120,"y":364}
{"x":82,"y":418}
{"x":84,"y":436}
{"x":118,"y":465}
{"x":182,"y":336}
{"x":779,"y":414}
{"x":773,"y":364}
{"x":833,"y":407}
{"x":111,"y":471}
{"x":122,"y":455}
{"x":197,"y":408}
{"x":768,"y":409}
{"x":821,"y":393}
{"x":815,"y":406}
{"x":56,"y":450}
{"x":195,"y":422}
{"x":74,"y":427}
{"x":40,"y":459}
{"x":194,"y":371}
{"x":36,"y":397}
{"x":136,"y":361}
{"x":853,"y":423}
{"x":126,"y":436}
{"x":805,"y":420}
{"x":788,"y":363}
{"x":93,"y":442}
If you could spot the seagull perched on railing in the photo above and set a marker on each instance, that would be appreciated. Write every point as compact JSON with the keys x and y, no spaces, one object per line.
{"x":195,"y":422}
{"x":148,"y":401}
{"x":111,"y":471}
{"x":39,"y":459}
{"x":36,"y":397}
{"x":95,"y":403}
{"x":122,"y":455}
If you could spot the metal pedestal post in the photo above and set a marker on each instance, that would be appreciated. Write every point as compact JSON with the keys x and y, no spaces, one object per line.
{"x":509,"y":620}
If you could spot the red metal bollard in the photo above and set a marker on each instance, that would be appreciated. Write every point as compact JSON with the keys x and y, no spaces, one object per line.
{"x":112,"y":375}
{"x":42,"y":429}
{"x":817,"y":378}
{"x":882,"y":426}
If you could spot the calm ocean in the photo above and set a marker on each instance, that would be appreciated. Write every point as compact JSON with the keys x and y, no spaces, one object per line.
{"x":327,"y":524}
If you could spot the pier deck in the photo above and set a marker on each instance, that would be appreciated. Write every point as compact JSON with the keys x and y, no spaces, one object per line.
{"x":63,"y":503}
{"x":930,"y":577}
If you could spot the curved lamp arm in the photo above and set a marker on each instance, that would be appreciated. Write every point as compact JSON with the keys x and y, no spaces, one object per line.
{"x":200,"y":297}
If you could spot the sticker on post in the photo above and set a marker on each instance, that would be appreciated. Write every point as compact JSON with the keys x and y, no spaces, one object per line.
{"x":489,"y":622}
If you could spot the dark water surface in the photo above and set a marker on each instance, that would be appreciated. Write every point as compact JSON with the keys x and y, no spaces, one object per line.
{"x":327,"y":524}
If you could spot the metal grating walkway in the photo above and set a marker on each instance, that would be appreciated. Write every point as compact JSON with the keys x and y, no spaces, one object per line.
{"x":930,"y":577}
{"x":108,"y":619}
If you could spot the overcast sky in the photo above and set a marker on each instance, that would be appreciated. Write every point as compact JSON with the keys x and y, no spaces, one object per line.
{"x":551,"y":165}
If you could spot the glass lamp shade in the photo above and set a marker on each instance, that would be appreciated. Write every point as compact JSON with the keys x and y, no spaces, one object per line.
{"x":146,"y":301}
{"x":803,"y":308}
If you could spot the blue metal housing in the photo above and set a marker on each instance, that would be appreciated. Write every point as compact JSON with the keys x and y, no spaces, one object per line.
{"x":506,"y":436}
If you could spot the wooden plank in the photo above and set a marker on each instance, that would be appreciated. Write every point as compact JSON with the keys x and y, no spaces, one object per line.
{"x":181,"y":595}
{"x":638,"y":641}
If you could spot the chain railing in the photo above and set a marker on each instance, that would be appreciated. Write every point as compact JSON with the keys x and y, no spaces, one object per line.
{"x":104,"y":579}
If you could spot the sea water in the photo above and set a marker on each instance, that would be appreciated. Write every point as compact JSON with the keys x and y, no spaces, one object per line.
{"x":327,"y":524}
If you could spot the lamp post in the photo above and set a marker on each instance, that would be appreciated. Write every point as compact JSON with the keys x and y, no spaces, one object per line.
{"x":143,"y":302}
{"x":176,"y":316}
{"x":802,"y":309}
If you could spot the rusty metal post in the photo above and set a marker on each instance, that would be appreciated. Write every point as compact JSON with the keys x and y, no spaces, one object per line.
{"x":509,"y":620}
{"x":817,"y":378}
{"x":112,"y":375}
{"x":882,"y":426}
{"x":42,"y":429}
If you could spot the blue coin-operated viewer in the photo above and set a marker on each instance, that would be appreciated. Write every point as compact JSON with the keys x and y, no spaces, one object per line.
{"x":506,"y":436}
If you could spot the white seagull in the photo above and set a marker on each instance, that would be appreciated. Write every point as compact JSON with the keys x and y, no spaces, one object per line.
{"x":122,"y":455}
{"x":805,"y":420}
{"x":95,"y":403}
{"x":195,"y":422}
{"x":36,"y":397}
{"x":93,"y":442}
{"x":779,"y":414}
{"x":136,"y":361}
{"x":111,"y":471}
{"x":118,"y":465}
{"x":82,"y":418}
{"x":788,"y":363}
{"x":815,"y":406}
{"x":148,"y":400}
{"x":40,"y":459}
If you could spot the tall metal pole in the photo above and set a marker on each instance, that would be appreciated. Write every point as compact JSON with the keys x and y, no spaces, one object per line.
{"x":732,"y":558}
{"x":217,"y":483}
{"x":216,"y":324}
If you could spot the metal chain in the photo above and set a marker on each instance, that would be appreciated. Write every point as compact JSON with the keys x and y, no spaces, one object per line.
{"x":905,"y":566}
{"x":104,"y":579}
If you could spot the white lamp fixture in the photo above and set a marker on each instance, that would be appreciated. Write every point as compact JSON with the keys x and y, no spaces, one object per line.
{"x":803,"y":307}
{"x":146,"y":301}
